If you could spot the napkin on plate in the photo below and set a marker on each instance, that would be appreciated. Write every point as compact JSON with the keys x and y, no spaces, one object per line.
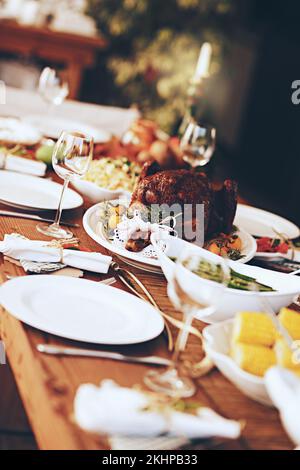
{"x":22,"y":165}
{"x":21,"y":248}
{"x":284,"y":389}
{"x":120,"y":411}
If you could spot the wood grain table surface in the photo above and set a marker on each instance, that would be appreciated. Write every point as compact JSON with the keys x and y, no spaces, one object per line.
{"x":47,"y":384}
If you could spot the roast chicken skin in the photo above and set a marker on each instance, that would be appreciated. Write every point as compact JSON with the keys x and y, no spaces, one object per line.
{"x":156,"y":186}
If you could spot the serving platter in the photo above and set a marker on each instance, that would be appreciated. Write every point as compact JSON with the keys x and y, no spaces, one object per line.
{"x":30,"y":192}
{"x":81,"y":310}
{"x":146,"y":260}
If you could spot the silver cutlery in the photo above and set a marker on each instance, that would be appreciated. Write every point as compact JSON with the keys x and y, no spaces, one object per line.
{"x":23,"y":215}
{"x":62,"y":351}
{"x":126,"y":276}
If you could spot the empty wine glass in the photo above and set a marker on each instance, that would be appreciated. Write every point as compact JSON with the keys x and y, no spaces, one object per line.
{"x":198,"y":143}
{"x":195,"y":298}
{"x":71,"y":157}
{"x":52,"y":87}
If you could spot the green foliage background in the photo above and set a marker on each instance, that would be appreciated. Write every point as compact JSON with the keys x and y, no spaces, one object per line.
{"x":154,"y":47}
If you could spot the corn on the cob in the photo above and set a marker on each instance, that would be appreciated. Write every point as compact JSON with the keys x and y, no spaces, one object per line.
{"x":285,"y":357}
{"x":254,"y":328}
{"x":253,"y":358}
{"x":291,"y":321}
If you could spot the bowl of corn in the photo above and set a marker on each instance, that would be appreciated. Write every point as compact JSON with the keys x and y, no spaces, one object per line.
{"x":246,"y":347}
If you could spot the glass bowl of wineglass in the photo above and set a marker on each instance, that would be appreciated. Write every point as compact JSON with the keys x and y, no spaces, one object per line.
{"x":72,"y":155}
{"x":192,"y":299}
{"x":198,"y":143}
{"x":52,"y":87}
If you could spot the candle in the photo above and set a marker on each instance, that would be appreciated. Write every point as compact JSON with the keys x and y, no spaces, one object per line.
{"x":203,"y":64}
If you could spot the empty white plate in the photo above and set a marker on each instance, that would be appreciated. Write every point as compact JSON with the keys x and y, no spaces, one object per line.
{"x":53,"y":126}
{"x":81,"y":310}
{"x":263,"y":223}
{"x":25,"y":191}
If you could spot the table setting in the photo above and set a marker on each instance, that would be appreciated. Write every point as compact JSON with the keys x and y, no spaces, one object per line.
{"x":159,"y":334}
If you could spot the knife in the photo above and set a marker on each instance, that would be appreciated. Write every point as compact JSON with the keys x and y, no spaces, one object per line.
{"x":22,"y":215}
{"x":61,"y":351}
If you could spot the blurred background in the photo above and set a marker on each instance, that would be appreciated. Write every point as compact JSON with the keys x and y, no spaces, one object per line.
{"x":143,"y":53}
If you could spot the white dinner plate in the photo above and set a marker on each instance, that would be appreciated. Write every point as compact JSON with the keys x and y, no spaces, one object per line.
{"x":31,"y":192}
{"x":53,"y":126}
{"x":263,"y":223}
{"x":94,"y":228}
{"x":81,"y":310}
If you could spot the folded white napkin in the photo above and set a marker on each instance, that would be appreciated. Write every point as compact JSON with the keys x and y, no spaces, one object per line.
{"x":20,"y":248}
{"x":114,"y":410}
{"x":22,"y":165}
{"x":284,"y":390}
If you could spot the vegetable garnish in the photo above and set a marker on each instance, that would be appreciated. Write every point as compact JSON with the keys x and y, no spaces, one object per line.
{"x":272,"y":245}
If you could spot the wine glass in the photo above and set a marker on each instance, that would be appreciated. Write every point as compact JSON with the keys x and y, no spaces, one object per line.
{"x":71,"y":157}
{"x":198,"y":143}
{"x":194,"y":297}
{"x":52,"y":87}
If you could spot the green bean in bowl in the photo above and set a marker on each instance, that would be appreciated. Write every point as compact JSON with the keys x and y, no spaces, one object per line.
{"x":213,"y":272}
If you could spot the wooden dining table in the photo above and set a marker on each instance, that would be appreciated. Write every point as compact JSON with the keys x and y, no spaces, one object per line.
{"x":47,"y":384}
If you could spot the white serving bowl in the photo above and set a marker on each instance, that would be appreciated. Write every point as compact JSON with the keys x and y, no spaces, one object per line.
{"x":97,"y":194}
{"x":217,"y":346}
{"x":286,"y":286}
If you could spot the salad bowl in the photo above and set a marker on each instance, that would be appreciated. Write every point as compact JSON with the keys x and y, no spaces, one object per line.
{"x":285,"y":287}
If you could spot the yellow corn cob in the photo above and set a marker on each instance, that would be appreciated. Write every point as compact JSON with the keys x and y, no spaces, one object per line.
{"x":291,"y":321}
{"x":254,"y":328}
{"x":284,"y":355}
{"x":253,"y":358}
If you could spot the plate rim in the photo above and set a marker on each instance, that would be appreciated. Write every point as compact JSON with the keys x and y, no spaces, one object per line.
{"x":39,"y":180}
{"x":9,"y":285}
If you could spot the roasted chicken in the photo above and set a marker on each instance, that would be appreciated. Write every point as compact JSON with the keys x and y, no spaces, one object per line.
{"x":185,"y":187}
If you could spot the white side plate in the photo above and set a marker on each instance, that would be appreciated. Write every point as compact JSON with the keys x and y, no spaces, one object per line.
{"x":25,"y":191}
{"x":263,"y":223}
{"x":81,"y":310}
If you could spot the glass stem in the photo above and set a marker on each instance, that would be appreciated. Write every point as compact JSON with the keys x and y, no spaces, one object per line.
{"x":182,"y":338}
{"x":59,"y":210}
